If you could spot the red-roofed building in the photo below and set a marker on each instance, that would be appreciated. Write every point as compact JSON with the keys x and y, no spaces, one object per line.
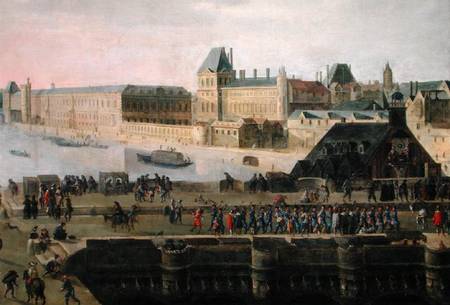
{"x":310,"y":95}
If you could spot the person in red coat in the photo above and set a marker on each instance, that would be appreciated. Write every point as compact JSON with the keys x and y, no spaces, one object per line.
{"x":230,"y":222}
{"x":438,"y":220}
{"x":197,"y":224}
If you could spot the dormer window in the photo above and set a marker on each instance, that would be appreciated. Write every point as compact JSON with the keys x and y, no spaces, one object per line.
{"x":361,"y":148}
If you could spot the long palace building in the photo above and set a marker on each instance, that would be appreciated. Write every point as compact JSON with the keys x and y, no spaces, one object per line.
{"x":105,"y":110}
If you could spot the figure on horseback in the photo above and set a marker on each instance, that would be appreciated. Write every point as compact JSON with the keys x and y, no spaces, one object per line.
{"x":118,"y":218}
{"x":34,"y":285}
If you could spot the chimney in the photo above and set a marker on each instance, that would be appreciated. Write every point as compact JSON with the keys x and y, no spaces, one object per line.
{"x":320,"y":73}
{"x":317,"y":76}
{"x":397,"y":110}
{"x":293,"y":76}
{"x":231,"y":57}
{"x":242,"y":74}
{"x":267,"y":73}
{"x":328,"y":75}
{"x":410,"y":88}
{"x":255,"y":73}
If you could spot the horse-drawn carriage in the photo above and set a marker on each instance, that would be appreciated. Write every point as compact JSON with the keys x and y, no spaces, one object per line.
{"x":31,"y":184}
{"x":113,"y":183}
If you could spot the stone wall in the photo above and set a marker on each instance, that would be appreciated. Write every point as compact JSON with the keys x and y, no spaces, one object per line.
{"x":340,"y":270}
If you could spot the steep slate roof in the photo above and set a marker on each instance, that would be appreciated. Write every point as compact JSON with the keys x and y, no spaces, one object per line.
{"x":124,"y":89}
{"x":360,"y":104}
{"x":12,"y":87}
{"x":340,"y":73}
{"x":253,"y":82}
{"x":216,"y":61}
{"x":405,"y":88}
{"x":94,"y":89}
{"x":372,"y":133}
{"x":338,"y":114}
{"x":310,"y":115}
{"x":430,"y":85}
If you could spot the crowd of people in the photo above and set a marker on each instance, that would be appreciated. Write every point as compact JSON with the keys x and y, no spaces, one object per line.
{"x":306,"y":220}
{"x":420,"y":190}
{"x":55,"y":199}
{"x":302,"y":220}
{"x":78,"y":185}
{"x":38,"y":241}
{"x":35,"y":285}
{"x":145,"y":189}
{"x":52,"y":200}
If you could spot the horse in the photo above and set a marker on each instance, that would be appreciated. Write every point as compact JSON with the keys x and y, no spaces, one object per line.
{"x":37,"y":290}
{"x":117,"y":220}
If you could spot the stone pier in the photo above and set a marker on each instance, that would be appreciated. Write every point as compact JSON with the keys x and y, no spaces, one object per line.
{"x":361,"y":270}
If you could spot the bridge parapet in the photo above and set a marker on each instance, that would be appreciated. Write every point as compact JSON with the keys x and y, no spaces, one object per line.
{"x":347,"y":270}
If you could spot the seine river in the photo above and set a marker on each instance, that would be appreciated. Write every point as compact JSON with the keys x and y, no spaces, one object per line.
{"x":48,"y":158}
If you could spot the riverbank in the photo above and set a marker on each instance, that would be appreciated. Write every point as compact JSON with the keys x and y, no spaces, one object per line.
{"x":209,"y":162}
{"x":267,"y":157}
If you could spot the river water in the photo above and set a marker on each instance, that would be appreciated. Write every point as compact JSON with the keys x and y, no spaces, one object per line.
{"x":48,"y":158}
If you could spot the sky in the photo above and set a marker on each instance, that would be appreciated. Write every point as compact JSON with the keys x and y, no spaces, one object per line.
{"x":100,"y":42}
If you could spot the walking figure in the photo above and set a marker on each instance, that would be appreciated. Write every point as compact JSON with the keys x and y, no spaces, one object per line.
{"x":69,"y":290}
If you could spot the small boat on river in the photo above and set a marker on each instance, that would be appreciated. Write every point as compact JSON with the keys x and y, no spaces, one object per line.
{"x":97,"y":145}
{"x":250,"y":161}
{"x":67,"y":143}
{"x":19,"y":153}
{"x":165,"y":158}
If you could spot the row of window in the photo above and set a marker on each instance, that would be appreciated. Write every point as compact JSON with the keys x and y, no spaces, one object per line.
{"x":210,"y":81}
{"x":227,"y":132}
{"x":162,"y":106}
{"x":158,"y":121}
{"x":208,"y":107}
{"x":250,"y":108}
{"x":186,"y":132}
{"x":207,"y":93}
{"x":236,"y":93}
{"x":82,"y":102}
{"x":298,"y":94}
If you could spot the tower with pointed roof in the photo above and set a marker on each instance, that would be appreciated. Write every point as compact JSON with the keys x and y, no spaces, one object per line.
{"x":388,"y":83}
{"x":215,"y":72}
{"x":11,"y":89}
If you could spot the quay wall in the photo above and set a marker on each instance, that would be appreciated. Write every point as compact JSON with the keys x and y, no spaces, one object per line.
{"x":140,"y":135}
{"x":341,"y":270}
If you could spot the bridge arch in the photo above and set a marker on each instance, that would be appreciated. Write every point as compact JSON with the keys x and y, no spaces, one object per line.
{"x":400,"y":299}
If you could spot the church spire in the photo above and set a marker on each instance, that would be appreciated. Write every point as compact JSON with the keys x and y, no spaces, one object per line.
{"x":388,"y":83}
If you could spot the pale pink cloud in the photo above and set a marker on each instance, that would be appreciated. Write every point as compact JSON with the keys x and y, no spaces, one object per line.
{"x":96,"y":42}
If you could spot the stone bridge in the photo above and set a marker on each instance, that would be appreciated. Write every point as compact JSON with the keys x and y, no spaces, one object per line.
{"x":360,"y":270}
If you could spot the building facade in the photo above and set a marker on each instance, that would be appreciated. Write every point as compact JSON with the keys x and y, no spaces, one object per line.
{"x":223,"y":96}
{"x":157,"y":104}
{"x":94,"y":110}
{"x":241,"y":133}
{"x":215,"y":72}
{"x":307,"y":127}
{"x":370,"y":151}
